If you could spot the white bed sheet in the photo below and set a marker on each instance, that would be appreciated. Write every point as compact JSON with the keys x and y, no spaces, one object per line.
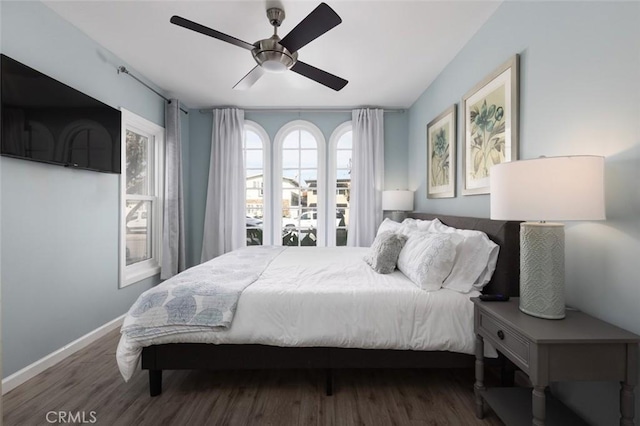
{"x":329,"y":296}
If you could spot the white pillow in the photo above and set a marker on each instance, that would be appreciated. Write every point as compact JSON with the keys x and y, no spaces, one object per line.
{"x":427,"y":258}
{"x":405,"y":228}
{"x":475,"y":261}
{"x":417,"y":224}
{"x":388,"y":225}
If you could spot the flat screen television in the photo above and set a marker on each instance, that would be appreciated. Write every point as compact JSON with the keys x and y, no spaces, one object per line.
{"x":47,"y":121}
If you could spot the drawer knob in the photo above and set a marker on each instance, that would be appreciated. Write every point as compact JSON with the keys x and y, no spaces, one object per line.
{"x":501,"y":334}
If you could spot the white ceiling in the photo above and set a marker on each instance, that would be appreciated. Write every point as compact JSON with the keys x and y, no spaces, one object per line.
{"x":390,"y":51}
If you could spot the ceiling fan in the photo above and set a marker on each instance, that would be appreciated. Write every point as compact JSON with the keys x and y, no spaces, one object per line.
{"x":279,"y":55}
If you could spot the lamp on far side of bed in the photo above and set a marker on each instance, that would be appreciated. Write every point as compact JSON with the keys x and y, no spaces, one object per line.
{"x":553,"y":188}
{"x":399,"y":202}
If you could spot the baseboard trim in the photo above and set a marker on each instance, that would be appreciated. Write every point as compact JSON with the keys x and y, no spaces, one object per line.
{"x":19,"y":377}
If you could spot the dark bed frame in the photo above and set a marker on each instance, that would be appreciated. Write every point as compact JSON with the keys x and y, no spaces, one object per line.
{"x":203,"y":356}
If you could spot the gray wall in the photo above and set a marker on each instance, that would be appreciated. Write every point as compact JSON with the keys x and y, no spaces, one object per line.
{"x":60,"y":226}
{"x":580,"y":94}
{"x":201,"y":125}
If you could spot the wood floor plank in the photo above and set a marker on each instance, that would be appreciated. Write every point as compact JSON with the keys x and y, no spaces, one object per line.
{"x":89,"y":381}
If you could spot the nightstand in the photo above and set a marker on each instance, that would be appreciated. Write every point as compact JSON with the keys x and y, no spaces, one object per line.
{"x":578,"y":347}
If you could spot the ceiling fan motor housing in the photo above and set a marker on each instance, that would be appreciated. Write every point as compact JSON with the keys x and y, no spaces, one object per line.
{"x":272,"y":56}
{"x":275,"y":16}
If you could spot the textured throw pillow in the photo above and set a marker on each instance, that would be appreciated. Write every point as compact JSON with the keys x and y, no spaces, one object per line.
{"x":427,"y":258}
{"x":475,"y":261}
{"x":383,"y":255}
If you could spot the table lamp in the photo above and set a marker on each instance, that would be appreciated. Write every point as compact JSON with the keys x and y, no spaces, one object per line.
{"x":398,"y":202}
{"x":553,"y":188}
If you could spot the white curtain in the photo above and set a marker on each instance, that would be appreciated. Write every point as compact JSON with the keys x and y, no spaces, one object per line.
{"x":224,"y":220}
{"x":173,"y":233}
{"x":367,"y":176}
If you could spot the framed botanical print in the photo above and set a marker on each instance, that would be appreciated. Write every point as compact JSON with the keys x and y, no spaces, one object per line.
{"x":441,"y":155}
{"x":490,"y":126}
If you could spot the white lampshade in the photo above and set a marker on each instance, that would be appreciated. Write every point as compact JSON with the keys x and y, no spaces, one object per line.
{"x":397,"y":200}
{"x":553,"y":188}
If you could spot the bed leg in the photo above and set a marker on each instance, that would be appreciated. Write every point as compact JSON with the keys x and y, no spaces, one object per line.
{"x":329,"y":382}
{"x":155,"y":382}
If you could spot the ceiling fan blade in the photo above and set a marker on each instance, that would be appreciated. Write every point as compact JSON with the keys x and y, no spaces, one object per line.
{"x":194,"y":26}
{"x":318,"y":22}
{"x":249,"y":80}
{"x":331,"y":81}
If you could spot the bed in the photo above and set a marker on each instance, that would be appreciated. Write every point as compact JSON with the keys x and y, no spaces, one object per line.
{"x":370,"y":322}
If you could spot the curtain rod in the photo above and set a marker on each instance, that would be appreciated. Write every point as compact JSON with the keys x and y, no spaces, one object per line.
{"x":294,"y":110}
{"x":122,"y":69}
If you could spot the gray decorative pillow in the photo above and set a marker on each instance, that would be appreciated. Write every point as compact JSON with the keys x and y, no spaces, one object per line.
{"x":383,"y":255}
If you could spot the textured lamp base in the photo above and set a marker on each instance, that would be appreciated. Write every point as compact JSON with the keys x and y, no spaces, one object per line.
{"x":542,"y":269}
{"x":398,"y":216}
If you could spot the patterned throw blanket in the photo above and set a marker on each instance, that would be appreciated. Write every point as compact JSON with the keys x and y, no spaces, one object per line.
{"x":200,"y":298}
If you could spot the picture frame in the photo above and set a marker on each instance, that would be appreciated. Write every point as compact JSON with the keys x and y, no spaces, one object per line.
{"x":490,"y":125}
{"x":441,"y":155}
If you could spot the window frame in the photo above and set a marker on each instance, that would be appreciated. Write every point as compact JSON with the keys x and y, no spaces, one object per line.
{"x":282,"y":133}
{"x":267,"y":228}
{"x":332,"y":183}
{"x":131,"y":274}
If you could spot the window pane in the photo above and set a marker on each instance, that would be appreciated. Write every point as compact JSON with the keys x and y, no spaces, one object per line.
{"x":308,"y":237}
{"x":254,"y":224}
{"x":253,"y":174}
{"x":343,"y":174}
{"x":253,"y":159}
{"x":290,"y":178}
{"x":341,"y":236}
{"x":254,"y":216}
{"x":309,"y":178}
{"x":345,"y":141}
{"x":290,"y":237}
{"x":137,"y":163}
{"x":309,"y":158}
{"x":138,"y":231}
{"x":290,"y":158}
{"x":309,"y":218}
{"x":254,"y":237}
{"x":343,"y":159}
{"x":252,"y":140}
{"x":291,"y":140}
{"x":290,"y":198}
{"x":307,"y":140}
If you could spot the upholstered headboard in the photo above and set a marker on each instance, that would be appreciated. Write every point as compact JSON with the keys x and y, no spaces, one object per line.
{"x":506,"y":278}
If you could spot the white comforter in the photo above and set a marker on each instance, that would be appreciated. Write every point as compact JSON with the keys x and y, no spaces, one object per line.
{"x":329,"y":296}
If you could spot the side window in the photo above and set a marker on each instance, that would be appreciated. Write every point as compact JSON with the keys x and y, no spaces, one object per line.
{"x":340,"y":150}
{"x":141,"y":198}
{"x":255,"y":146}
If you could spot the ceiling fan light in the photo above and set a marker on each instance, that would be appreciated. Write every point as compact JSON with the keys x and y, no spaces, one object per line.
{"x":274,"y":66}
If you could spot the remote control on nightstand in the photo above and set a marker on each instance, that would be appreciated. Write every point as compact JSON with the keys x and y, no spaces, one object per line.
{"x":494,"y":297}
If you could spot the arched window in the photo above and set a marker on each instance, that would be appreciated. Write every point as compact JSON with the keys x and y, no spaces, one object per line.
{"x":340,"y":148}
{"x":300,"y":200}
{"x":255,"y":145}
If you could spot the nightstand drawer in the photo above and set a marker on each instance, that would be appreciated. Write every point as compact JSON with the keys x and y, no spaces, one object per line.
{"x":505,"y":339}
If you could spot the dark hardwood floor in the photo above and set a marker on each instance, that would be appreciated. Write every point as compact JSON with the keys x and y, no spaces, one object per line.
{"x":276,"y":397}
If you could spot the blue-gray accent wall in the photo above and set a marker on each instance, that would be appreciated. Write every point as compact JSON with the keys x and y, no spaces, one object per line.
{"x":580,"y":94}
{"x":60,"y":226}
{"x":201,"y":126}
